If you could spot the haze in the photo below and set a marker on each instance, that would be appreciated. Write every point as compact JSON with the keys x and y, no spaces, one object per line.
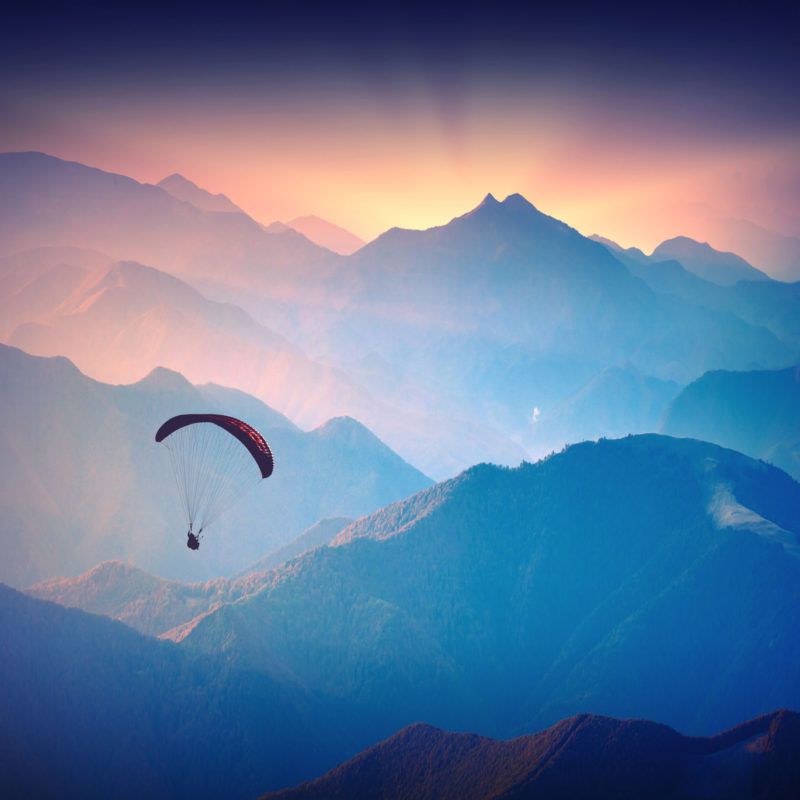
{"x":373,"y":122}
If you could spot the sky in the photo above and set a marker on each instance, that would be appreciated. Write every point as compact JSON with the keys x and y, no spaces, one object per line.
{"x":632,"y":124}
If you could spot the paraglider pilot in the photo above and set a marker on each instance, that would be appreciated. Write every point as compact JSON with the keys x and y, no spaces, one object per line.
{"x":192,"y":542}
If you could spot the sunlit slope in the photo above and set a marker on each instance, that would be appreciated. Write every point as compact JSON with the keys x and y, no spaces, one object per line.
{"x":585,"y":757}
{"x":637,"y":577}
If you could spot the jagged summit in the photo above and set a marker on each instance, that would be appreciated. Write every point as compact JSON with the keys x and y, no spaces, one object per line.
{"x":513,"y":202}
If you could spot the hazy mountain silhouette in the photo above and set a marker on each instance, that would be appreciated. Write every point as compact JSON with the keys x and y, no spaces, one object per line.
{"x":631,"y":252}
{"x":48,"y":201}
{"x":35,"y":282}
{"x":89,"y":484}
{"x":582,"y":757}
{"x":118,"y":321}
{"x":155,"y":605}
{"x":505,"y":309}
{"x":451,"y":336}
{"x":121,"y":323}
{"x":326,"y":234}
{"x":778,"y":253}
{"x":184,"y":189}
{"x":615,"y":402}
{"x":769,"y":304}
{"x":757,"y":413}
{"x":703,"y":260}
{"x":90,"y":708}
{"x":147,"y":603}
{"x":636,"y":577}
{"x":320,"y":533}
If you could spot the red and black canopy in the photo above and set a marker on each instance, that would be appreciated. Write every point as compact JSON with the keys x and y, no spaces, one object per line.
{"x":246,"y":434}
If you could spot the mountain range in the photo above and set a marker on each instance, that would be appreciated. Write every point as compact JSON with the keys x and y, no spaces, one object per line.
{"x":89,"y":484}
{"x":632,"y":577}
{"x":704,"y":261}
{"x":51,"y":202}
{"x":188,"y":191}
{"x":320,"y":231}
{"x":755,"y":412}
{"x":776,"y":251}
{"x":91,"y":708}
{"x":505,"y":309}
{"x":769,"y":304}
{"x":156,"y":606}
{"x":582,"y":757}
{"x":117,"y":321}
{"x":643,"y":577}
{"x":121,"y":322}
{"x":443,"y":341}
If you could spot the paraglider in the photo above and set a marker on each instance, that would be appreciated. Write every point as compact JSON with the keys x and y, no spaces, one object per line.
{"x":215,"y":459}
{"x":192,"y":542}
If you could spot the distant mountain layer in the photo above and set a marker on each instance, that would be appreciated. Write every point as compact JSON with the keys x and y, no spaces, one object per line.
{"x":442,"y":341}
{"x":118,"y":323}
{"x":156,"y":606}
{"x":704,"y":261}
{"x":326,"y":234}
{"x":768,"y":304}
{"x":615,"y":402}
{"x":625,"y":578}
{"x":776,"y":252}
{"x":756,"y":412}
{"x":190,"y":192}
{"x":322,"y":532}
{"x":48,"y":201}
{"x":89,"y":484}
{"x":584,"y":757}
{"x":118,"y":320}
{"x":146,"y":603}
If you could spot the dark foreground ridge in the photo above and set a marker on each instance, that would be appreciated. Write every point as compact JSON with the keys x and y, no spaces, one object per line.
{"x":585,"y":756}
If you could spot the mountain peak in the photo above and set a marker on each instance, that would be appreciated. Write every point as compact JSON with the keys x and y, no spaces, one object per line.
{"x":188,"y":191}
{"x":345,"y":427}
{"x":700,"y":258}
{"x":164,"y":378}
{"x":491,"y":207}
{"x":176,"y":178}
{"x":517,"y":201}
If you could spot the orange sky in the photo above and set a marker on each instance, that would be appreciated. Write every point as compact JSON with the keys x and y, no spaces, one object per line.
{"x":630,"y":125}
{"x":369,"y":166}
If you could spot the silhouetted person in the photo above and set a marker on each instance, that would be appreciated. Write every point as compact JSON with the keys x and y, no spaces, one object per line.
{"x":193,"y":543}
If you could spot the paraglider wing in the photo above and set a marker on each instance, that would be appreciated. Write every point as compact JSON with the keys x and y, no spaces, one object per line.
{"x":246,"y":434}
{"x":215,"y":459}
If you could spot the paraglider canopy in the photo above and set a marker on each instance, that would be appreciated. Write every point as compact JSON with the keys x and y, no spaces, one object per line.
{"x":246,"y":434}
{"x":215,"y":459}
